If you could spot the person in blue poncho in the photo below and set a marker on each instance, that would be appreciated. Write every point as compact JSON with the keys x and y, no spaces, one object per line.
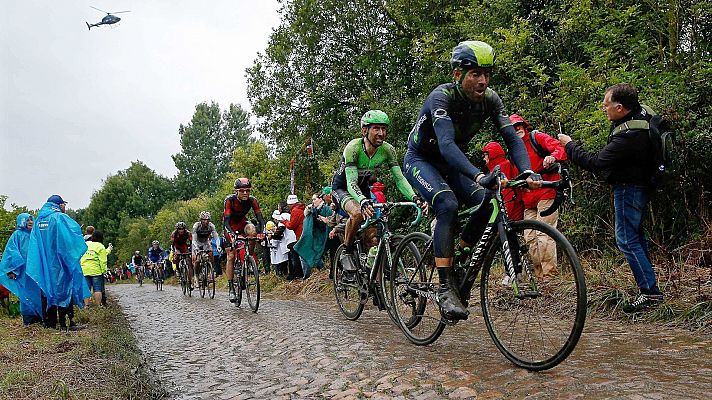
{"x":55,"y":248}
{"x":12,"y":271}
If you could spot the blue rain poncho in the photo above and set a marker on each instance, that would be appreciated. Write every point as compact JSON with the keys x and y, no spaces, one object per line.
{"x":56,"y":245}
{"x":14,"y":259}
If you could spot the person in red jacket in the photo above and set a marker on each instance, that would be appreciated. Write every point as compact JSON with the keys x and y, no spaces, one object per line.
{"x":494,"y":156}
{"x":542,"y":154}
{"x":295,"y":223}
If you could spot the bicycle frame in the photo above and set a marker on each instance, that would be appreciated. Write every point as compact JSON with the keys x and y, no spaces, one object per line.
{"x":382,"y":246}
{"x":497,"y":226}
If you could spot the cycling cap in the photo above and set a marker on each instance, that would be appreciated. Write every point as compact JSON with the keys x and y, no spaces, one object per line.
{"x":375,"y":117}
{"x":180,"y":225}
{"x":472,"y":54}
{"x":204,"y":215}
{"x":243,"y":183}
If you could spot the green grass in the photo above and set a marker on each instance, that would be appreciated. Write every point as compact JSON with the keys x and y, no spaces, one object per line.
{"x":101,"y":361}
{"x":611,"y":285}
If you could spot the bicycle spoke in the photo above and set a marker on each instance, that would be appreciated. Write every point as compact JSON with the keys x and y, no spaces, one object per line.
{"x":538,"y":329}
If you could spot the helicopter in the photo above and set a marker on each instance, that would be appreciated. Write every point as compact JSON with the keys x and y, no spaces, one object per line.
{"x":109,"y":19}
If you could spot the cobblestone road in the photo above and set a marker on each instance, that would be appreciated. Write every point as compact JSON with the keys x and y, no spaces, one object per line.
{"x":299,"y":349}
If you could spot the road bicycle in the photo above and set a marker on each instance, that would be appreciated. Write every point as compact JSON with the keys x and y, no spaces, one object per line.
{"x":534,"y":323}
{"x":186,"y":285}
{"x":373,"y":266}
{"x":206,"y":274}
{"x":157,"y":273}
{"x":246,"y":275}
{"x":139,"y":274}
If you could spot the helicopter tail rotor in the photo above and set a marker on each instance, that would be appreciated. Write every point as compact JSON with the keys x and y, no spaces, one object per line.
{"x":88,"y":26}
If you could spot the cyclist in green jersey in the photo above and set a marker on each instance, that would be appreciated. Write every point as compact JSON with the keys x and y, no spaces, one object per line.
{"x":350,"y":184}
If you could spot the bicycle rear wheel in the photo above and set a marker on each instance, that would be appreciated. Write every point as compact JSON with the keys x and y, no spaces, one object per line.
{"x":347,"y":292}
{"x":540,"y":327}
{"x":414,"y":288}
{"x":252,"y":284}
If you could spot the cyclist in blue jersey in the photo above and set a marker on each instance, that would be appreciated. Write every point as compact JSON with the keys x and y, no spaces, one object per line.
{"x":436,"y":164}
{"x":154,"y":255}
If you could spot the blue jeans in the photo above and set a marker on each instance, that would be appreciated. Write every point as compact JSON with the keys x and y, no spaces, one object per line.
{"x":630,"y":202}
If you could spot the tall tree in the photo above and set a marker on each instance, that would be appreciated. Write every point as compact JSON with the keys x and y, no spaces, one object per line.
{"x":329,"y":61}
{"x":207,"y":144}
{"x":134,"y":192}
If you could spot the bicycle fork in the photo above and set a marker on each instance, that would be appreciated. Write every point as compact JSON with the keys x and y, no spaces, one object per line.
{"x":512,"y":256}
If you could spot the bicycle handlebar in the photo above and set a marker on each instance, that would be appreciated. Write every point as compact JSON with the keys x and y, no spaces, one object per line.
{"x":561,"y":186}
{"x":388,"y":206}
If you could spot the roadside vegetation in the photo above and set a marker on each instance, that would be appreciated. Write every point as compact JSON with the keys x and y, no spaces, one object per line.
{"x":100,"y":361}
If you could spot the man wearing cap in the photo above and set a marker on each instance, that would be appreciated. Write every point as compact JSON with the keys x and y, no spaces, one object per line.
{"x":313,"y":241}
{"x":282,"y":238}
{"x":295,"y":223}
{"x":55,"y":248}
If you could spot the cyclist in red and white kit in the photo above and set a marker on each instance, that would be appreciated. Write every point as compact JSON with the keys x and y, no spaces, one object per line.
{"x":235,"y":221}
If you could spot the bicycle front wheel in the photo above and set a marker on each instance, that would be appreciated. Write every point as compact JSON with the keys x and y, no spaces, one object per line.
{"x":347,"y":292}
{"x":384,"y":276}
{"x":536,"y":320}
{"x":414,"y":288}
{"x":182,"y":270}
{"x":211,"y":283}
{"x":238,"y":281}
{"x":202,"y":280}
{"x":252,"y":284}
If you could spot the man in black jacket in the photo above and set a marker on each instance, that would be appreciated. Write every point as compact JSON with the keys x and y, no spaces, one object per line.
{"x":626,"y":163}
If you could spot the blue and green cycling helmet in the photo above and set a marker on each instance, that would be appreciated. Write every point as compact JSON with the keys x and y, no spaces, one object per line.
{"x":375,"y":117}
{"x":472,"y":54}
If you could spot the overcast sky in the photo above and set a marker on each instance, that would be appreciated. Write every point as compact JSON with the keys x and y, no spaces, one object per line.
{"x":79,"y":105}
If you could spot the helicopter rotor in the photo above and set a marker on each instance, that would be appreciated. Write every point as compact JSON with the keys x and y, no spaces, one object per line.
{"x":109,"y":13}
{"x":98,"y":9}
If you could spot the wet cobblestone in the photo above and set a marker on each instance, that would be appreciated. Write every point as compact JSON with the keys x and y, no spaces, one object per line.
{"x":298,"y":349}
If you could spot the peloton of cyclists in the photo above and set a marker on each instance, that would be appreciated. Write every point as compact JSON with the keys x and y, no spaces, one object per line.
{"x":203,"y":231}
{"x":235,"y":223}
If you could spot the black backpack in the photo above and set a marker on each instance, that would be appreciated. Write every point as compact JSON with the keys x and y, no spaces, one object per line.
{"x":661,"y":137}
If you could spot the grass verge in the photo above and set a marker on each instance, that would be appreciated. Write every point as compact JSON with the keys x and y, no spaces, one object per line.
{"x":101,"y":361}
